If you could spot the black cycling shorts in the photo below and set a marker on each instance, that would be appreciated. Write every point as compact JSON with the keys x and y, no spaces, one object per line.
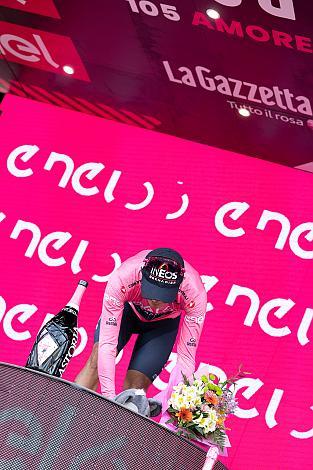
{"x":154,"y":343}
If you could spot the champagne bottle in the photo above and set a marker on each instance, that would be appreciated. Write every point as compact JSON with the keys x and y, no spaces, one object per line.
{"x":56,"y":341}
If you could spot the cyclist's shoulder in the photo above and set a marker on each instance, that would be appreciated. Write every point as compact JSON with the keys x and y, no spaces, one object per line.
{"x":192,"y":282}
{"x":131,"y":267}
{"x":134,"y":262}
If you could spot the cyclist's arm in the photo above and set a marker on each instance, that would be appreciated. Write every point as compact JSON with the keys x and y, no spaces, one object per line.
{"x":112,"y":310}
{"x":189,"y":337}
{"x":188,"y":341}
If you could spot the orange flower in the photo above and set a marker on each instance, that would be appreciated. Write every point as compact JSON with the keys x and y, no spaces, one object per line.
{"x":184,"y":415}
{"x":220,"y":421}
{"x":210,"y":397}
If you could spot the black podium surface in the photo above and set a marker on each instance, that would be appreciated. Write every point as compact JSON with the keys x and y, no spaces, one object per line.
{"x":47,"y":423}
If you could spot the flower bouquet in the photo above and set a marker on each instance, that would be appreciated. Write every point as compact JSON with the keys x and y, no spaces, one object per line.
{"x":198,"y":409}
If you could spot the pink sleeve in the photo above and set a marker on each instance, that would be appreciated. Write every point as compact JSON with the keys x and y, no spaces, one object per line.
{"x":187,"y":343}
{"x":112,"y":310}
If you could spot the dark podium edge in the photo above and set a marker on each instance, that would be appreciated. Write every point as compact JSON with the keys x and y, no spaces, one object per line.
{"x":218,"y":464}
{"x":90,"y":392}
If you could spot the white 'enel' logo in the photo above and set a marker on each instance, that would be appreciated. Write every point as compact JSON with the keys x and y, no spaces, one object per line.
{"x":26,"y":50}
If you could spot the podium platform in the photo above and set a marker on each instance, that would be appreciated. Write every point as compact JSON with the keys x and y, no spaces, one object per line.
{"x":47,"y":423}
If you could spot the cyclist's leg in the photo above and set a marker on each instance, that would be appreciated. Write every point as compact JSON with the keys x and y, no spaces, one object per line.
{"x":88,"y":376}
{"x":152,"y":349}
{"x":136,"y":379}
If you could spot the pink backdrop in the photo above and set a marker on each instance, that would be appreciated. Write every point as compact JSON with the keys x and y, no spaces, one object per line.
{"x":244,"y":224}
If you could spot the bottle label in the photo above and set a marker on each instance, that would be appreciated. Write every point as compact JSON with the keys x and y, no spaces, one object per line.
{"x":45,"y":347}
{"x":70,"y":352}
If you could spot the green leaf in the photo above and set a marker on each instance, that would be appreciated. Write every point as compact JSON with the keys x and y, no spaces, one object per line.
{"x":192,"y":434}
{"x":200,"y":430}
{"x":218,"y":436}
{"x":189,"y":425}
{"x":186,"y":381}
{"x":204,"y":379}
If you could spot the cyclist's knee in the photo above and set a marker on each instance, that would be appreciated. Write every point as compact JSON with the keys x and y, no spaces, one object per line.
{"x":136,"y":379}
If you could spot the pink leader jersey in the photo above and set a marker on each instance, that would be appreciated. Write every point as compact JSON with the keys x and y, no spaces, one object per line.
{"x":124,"y":286}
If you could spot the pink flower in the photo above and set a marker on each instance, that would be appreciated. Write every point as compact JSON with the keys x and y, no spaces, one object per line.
{"x":205,"y":408}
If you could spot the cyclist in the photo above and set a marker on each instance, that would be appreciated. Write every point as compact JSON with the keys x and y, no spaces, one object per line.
{"x":147,"y":295}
